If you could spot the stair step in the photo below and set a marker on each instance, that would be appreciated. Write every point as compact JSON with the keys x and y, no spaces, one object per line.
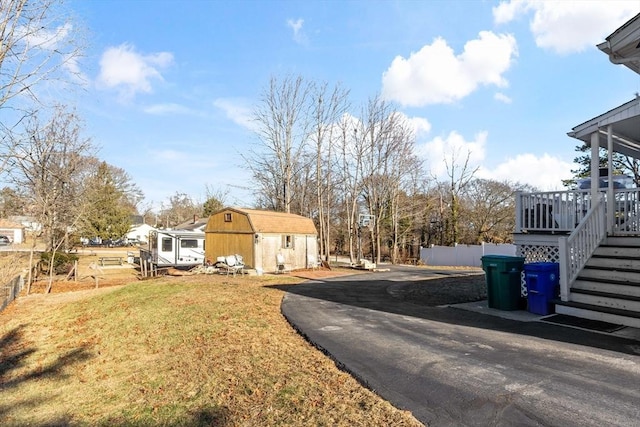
{"x":608,"y":286}
{"x":617,"y":263}
{"x":617,"y":251}
{"x":592,"y":307}
{"x":619,"y":275}
{"x":622,"y":241}
{"x":606,"y":299}
{"x":605,"y":314}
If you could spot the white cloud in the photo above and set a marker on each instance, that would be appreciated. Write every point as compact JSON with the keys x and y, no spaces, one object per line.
{"x":453,"y":149}
{"x":237,"y":110}
{"x":129,"y":72}
{"x":499,"y":96}
{"x":298,"y":35}
{"x":568,"y":26}
{"x":545,"y":172}
{"x":420,"y":125}
{"x":435,"y":75}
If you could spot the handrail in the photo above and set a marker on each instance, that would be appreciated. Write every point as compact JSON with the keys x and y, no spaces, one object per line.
{"x":576,"y":249}
{"x":561,"y":211}
{"x":551,"y":211}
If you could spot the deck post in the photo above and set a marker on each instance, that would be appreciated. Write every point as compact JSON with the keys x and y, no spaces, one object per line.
{"x":563,"y":256}
{"x":518,"y":211}
{"x":610,"y":211}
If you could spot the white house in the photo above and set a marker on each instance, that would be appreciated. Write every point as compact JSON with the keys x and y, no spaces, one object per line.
{"x":140,"y":232}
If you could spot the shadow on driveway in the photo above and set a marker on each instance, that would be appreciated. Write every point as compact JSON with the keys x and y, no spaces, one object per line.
{"x":422,"y":293}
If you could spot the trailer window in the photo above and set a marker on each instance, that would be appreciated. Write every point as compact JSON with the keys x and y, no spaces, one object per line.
{"x":188,"y":243}
{"x":167,"y":246}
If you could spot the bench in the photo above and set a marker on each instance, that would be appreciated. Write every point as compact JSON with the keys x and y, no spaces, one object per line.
{"x":110,"y":260}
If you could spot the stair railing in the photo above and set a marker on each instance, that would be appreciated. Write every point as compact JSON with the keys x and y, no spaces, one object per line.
{"x":576,"y":249}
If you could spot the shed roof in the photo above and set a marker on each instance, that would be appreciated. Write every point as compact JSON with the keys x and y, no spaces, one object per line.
{"x":277,"y":222}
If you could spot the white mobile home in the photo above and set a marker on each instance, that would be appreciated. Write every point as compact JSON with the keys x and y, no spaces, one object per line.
{"x":176,"y":248}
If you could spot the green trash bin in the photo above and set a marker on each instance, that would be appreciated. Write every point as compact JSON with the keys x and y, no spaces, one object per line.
{"x":504,"y":283}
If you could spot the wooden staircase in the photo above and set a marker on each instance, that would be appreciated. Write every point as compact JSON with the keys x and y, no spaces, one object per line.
{"x":608,"y":287}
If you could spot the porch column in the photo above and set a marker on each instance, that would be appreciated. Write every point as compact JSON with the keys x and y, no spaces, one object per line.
{"x":595,"y":167}
{"x":610,"y":213}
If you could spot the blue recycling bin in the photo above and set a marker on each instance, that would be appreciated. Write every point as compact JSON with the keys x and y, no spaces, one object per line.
{"x":504,"y":288}
{"x":543,"y":285}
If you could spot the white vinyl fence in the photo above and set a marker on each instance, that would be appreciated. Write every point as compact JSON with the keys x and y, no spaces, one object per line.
{"x":463,"y":255}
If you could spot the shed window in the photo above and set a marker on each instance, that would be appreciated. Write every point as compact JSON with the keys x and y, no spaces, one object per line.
{"x":287,"y":241}
{"x":227,"y":217}
{"x":167,"y":244}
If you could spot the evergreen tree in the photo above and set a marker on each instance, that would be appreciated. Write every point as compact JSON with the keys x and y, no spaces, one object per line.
{"x":109,"y":212}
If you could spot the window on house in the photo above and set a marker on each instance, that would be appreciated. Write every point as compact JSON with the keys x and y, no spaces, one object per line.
{"x":287,"y":241}
{"x":167,"y":244}
{"x":227,"y":217}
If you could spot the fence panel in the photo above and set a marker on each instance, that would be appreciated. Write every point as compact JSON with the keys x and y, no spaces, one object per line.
{"x":10,"y":291}
{"x":463,"y":255}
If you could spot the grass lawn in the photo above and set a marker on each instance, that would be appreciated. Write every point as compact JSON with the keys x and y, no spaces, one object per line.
{"x":194,"y":351}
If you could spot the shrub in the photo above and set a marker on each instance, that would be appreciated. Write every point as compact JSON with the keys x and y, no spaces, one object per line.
{"x":62,"y":262}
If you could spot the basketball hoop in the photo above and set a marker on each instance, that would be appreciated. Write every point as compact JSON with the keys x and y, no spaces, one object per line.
{"x":365,"y":221}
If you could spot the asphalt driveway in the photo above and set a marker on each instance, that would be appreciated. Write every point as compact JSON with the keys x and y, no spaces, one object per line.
{"x":453,"y":367}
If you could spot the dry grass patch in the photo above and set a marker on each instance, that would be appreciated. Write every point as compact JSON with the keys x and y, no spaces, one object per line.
{"x":195,"y":350}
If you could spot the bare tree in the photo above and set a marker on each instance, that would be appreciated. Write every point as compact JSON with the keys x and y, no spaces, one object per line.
{"x":390,"y":170}
{"x":215,"y":200}
{"x":46,"y":164}
{"x":180,"y":208}
{"x":38,"y":44}
{"x":283,"y":122}
{"x":351,"y":152}
{"x":329,"y":106}
{"x":460,"y":174}
{"x":489,"y":211}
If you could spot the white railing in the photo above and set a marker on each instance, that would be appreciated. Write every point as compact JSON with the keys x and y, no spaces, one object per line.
{"x":576,"y":249}
{"x":626,"y":218}
{"x":551,"y":211}
{"x":562,"y":211}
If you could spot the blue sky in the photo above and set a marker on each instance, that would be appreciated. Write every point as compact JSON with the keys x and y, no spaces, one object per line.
{"x":171,"y":84}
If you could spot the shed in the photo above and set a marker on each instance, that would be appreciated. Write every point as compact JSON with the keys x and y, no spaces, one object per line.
{"x":259,"y":236}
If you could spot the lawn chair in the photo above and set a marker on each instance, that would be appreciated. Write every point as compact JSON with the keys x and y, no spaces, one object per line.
{"x":239,"y":263}
{"x":281,"y":267}
{"x":229,"y":265}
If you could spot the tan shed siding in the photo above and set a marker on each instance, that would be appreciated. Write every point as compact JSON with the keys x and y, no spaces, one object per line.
{"x":223,"y":244}
{"x":239,"y":222}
